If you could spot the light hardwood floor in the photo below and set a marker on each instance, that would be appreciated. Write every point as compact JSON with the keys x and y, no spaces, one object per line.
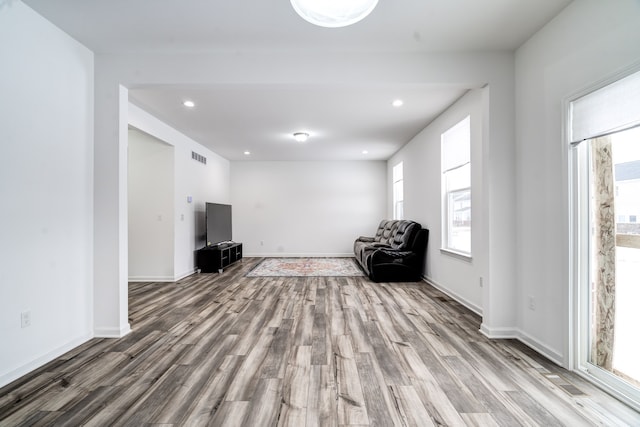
{"x":231,"y":350}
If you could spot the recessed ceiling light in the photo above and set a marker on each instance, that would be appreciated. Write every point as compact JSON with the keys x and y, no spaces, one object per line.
{"x":397,"y":103}
{"x":189,"y":104}
{"x":365,"y":152}
{"x":247,"y":153}
{"x":301,"y":136}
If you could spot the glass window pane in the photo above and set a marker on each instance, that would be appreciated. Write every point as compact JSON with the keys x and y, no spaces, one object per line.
{"x":397,"y":172}
{"x":459,"y":221}
{"x":456,"y":186}
{"x":399,"y":213}
{"x":398,"y":191}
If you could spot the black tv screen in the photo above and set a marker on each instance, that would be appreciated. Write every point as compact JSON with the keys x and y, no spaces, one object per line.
{"x":218,"y":220}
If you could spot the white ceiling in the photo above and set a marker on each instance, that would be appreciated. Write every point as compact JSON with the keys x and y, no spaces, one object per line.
{"x":343,"y":121}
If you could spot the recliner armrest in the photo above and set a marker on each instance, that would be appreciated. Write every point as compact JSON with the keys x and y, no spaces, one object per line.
{"x":378,"y":245}
{"x":397,"y":254}
{"x":365,"y":239}
{"x":391,"y":255}
{"x":393,"y":265}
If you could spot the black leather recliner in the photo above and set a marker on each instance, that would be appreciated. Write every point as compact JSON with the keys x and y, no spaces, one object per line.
{"x":395,"y":254}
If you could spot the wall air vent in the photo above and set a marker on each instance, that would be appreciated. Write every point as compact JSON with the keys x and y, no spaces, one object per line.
{"x":199,"y":157}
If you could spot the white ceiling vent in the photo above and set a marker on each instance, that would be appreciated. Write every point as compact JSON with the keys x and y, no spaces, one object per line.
{"x":199,"y":157}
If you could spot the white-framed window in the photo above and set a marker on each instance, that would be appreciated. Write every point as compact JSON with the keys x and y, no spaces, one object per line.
{"x":456,"y":188}
{"x":398,"y":192}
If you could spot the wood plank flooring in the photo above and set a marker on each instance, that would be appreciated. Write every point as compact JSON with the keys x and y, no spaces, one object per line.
{"x":228,"y":350}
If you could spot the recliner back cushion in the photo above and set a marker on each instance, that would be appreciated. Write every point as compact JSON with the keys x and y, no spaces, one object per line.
{"x":404,"y":234}
{"x":396,"y":233}
{"x":386,"y":231}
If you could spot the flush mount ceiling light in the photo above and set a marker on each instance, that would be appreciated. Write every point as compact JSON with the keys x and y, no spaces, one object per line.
{"x":397,"y":103}
{"x":301,"y":136}
{"x":189,"y":104}
{"x":333,"y":13}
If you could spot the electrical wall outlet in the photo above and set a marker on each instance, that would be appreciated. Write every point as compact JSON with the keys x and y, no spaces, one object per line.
{"x":25,"y":319}
{"x":532,"y":303}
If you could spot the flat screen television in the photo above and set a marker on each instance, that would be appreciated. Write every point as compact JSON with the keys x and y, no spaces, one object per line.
{"x":218,"y":220}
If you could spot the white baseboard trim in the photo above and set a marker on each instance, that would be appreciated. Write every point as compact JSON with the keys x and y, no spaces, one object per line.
{"x":499,"y":333}
{"x":112,"y":332}
{"x":185,"y":274}
{"x":524,"y":338}
{"x":161,"y":279}
{"x":138,"y":279}
{"x":13,"y":375}
{"x":471,"y":306}
{"x":541,"y":348}
{"x":299,"y":255}
{"x":503,"y":332}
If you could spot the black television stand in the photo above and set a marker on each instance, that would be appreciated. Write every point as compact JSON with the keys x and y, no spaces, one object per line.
{"x":212,"y":258}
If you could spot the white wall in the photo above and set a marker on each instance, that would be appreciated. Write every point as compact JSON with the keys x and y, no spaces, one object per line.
{"x":151,"y":208}
{"x":306,"y":208}
{"x":590,"y":41}
{"x":46,"y":188}
{"x":423,"y":202}
{"x":203,"y":183}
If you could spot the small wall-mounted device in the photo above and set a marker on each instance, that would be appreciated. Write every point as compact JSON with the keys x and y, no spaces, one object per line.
{"x":189,"y":199}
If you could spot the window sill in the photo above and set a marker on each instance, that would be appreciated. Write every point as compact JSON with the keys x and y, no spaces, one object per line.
{"x":460,"y":255}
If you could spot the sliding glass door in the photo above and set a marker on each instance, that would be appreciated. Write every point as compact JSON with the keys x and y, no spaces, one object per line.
{"x":606,"y":251}
{"x":612,"y":285}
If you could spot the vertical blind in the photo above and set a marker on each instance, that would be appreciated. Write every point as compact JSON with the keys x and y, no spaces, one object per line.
{"x":610,"y":109}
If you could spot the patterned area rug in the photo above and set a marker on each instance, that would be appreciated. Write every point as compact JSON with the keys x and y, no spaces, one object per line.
{"x":306,"y":267}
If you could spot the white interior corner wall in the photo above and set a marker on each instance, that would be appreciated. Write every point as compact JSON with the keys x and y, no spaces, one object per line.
{"x":46,"y":185}
{"x":306,"y":208}
{"x":151,"y":199}
{"x":110,"y":245}
{"x":194,"y":184}
{"x":588,"y":43}
{"x":423,"y":202}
